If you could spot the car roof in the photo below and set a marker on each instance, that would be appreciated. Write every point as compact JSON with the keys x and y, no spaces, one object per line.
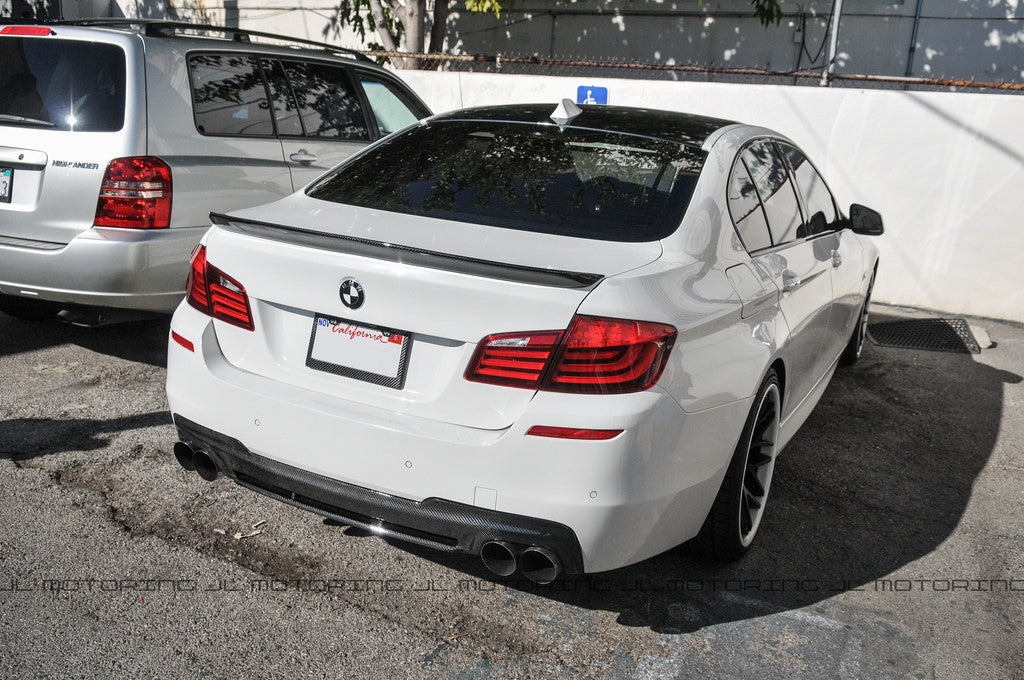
{"x":203,"y":34}
{"x":683,"y":128}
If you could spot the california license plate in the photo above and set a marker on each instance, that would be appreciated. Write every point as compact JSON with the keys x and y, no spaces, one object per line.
{"x":6,"y":184}
{"x":368,"y":353}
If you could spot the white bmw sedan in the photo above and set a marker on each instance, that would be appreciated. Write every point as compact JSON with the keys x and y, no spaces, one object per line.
{"x":565,"y":341}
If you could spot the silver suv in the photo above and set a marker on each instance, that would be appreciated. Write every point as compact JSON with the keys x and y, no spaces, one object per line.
{"x":119,"y":137}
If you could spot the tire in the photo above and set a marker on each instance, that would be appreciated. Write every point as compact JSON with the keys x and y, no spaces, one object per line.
{"x":855,"y":346}
{"x":736,"y":514}
{"x":28,"y":309}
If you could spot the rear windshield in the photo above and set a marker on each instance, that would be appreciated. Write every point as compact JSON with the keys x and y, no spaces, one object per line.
{"x":60,"y":84}
{"x":571,"y":182}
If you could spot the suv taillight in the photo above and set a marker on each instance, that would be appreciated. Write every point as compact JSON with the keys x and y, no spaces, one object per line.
{"x":216,"y":294}
{"x":594,"y":356}
{"x":35,"y":31}
{"x":136,"y":194}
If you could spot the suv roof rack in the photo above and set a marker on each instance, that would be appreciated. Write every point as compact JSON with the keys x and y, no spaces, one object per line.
{"x":162,"y":28}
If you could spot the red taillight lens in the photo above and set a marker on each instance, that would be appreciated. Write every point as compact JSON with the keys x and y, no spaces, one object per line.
{"x":595,"y":356}
{"x":213,"y":292}
{"x":601,"y":356}
{"x":36,"y":31}
{"x":195,"y":287}
{"x":136,"y":194}
{"x":513,"y":359}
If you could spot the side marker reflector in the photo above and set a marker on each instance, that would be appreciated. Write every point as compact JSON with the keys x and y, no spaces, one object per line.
{"x":579,"y":433}
{"x":184,"y":342}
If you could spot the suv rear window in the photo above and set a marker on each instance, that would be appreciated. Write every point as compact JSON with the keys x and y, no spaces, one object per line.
{"x":570,"y":182}
{"x":62,"y":84}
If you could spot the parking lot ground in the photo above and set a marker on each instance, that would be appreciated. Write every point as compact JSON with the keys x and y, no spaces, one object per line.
{"x":893,"y":546}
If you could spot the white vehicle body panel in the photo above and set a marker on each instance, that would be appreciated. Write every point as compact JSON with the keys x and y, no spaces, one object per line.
{"x":442,"y":437}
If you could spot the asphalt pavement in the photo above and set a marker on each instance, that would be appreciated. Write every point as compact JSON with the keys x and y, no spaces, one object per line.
{"x":893,"y":545}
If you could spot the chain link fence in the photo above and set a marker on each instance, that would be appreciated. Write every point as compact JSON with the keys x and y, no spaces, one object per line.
{"x":569,"y":67}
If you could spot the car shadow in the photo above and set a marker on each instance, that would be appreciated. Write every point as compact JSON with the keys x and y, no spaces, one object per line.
{"x":878,"y":477}
{"x":35,"y":437}
{"x":142,"y":341}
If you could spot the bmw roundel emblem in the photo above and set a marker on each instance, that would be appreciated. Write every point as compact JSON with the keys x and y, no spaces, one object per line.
{"x":352,"y":295}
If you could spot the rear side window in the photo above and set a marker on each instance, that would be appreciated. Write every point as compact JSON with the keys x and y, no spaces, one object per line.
{"x":775,"y":188}
{"x":229,"y":95}
{"x":745,"y":208}
{"x":572,"y":182}
{"x":327,"y":102}
{"x":62,"y":84}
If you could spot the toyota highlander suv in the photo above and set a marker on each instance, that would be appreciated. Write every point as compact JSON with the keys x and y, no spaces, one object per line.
{"x":119,"y":137}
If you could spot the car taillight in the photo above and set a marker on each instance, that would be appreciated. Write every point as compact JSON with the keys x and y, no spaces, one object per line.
{"x":136,"y":194}
{"x":213,"y":292}
{"x":594,"y":356}
{"x":513,"y":359}
{"x":36,"y":31}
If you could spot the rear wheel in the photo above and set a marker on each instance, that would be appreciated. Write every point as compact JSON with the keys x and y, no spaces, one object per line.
{"x":855,"y":346}
{"x":28,"y":309}
{"x":736,"y":514}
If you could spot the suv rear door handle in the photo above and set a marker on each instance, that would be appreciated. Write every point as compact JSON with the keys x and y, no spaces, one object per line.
{"x":304,"y":157}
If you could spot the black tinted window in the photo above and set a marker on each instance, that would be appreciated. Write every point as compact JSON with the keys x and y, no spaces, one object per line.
{"x":775,"y":188}
{"x":61,"y":84}
{"x":229,"y":95}
{"x":746,"y":211}
{"x":571,"y":182}
{"x":327,"y":102}
{"x":821,"y":208}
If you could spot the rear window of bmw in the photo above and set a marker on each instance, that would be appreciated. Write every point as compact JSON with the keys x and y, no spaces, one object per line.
{"x":566,"y":181}
{"x":61,"y":84}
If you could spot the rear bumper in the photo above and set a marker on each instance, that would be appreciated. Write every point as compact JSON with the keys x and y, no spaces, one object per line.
{"x":433,"y":522}
{"x":127,"y":268}
{"x":600,"y":504}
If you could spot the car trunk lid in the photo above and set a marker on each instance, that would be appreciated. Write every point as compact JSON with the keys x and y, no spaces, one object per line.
{"x":437,"y":286}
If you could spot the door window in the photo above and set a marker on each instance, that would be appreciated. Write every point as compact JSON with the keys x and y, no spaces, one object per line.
{"x":818,"y":201}
{"x":229,"y":95}
{"x":326,"y":101}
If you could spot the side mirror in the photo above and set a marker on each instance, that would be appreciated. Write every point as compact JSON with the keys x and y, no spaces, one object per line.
{"x":864,"y":220}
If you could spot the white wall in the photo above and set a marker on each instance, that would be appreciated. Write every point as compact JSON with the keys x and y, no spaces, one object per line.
{"x":946,"y":170}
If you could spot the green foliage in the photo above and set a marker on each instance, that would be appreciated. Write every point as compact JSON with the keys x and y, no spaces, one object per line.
{"x":357,"y":15}
{"x":768,"y":11}
{"x":484,"y":6}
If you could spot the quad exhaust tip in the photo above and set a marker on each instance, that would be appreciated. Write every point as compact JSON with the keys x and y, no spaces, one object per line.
{"x":197,"y":461}
{"x":499,"y":557}
{"x":538,"y":564}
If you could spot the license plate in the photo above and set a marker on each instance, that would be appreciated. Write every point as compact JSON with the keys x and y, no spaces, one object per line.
{"x":368,"y":353}
{"x":6,"y":184}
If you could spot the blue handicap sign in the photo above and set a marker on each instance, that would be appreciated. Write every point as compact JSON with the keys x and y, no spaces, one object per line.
{"x":588,"y":94}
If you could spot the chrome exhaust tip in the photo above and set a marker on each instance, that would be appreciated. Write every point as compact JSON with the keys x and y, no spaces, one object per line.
{"x":540,"y":565}
{"x":205,"y":465}
{"x":183,"y":454}
{"x":499,"y":557}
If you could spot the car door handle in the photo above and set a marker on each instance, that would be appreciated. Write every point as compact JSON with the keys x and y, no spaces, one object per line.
{"x":790,"y":281}
{"x":837,"y":259}
{"x":304,"y":157}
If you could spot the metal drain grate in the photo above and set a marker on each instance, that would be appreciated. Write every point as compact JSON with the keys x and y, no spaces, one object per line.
{"x":941,"y":335}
